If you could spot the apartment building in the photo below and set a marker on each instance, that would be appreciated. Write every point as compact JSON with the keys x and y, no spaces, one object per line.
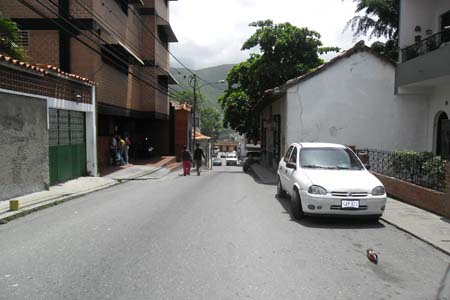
{"x":424,"y":67}
{"x":120,"y":44}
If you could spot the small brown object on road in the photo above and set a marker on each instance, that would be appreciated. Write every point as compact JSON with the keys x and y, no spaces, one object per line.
{"x":372,"y":256}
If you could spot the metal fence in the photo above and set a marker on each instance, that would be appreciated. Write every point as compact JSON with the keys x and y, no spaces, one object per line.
{"x":419,"y":168}
{"x":426,"y":45}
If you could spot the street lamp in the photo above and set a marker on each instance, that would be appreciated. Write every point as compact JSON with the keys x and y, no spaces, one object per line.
{"x":194,"y":84}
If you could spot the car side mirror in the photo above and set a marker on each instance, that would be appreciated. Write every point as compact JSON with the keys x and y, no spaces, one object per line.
{"x":291,"y":166}
{"x":367,"y":166}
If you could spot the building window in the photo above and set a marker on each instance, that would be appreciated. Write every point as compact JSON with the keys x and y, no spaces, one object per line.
{"x":163,"y":81}
{"x":163,"y":37}
{"x":123,"y":4}
{"x":24,"y":39}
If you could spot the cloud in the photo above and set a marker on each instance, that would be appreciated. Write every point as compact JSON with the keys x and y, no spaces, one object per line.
{"x":211,"y":32}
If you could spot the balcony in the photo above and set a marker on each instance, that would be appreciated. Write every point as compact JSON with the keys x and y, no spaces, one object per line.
{"x":425,"y":64}
{"x":427,"y":45}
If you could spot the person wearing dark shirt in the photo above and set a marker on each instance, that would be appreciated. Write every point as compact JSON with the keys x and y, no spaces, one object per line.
{"x":187,"y":159}
{"x":198,"y":155}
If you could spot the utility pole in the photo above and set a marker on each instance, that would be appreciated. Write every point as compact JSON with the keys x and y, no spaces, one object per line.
{"x":193,"y":84}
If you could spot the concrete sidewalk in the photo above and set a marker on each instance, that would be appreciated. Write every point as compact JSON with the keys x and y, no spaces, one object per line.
{"x":428,"y":227}
{"x":81,"y":186}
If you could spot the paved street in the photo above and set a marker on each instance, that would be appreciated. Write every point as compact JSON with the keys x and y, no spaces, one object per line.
{"x":222,"y":235}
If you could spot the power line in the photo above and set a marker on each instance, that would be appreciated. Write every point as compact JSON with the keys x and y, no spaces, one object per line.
{"x":162,"y":44}
{"x":27,"y":4}
{"x":104,"y":23}
{"x":155,"y":37}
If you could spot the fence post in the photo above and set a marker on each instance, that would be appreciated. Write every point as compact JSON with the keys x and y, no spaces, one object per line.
{"x":447,"y":190}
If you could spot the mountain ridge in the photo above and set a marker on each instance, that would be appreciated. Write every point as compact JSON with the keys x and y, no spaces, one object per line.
{"x":213,"y":91}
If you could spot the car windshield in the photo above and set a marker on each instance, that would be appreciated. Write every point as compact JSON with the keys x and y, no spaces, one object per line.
{"x":329,"y":158}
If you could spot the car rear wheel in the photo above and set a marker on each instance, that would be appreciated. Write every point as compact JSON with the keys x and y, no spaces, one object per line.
{"x":296,"y":206}
{"x":280,"y":192}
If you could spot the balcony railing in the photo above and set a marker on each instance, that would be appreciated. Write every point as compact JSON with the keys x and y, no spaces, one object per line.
{"x":427,"y":45}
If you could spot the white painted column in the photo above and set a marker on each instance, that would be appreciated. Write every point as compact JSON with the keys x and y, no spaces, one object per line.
{"x":91,"y":138}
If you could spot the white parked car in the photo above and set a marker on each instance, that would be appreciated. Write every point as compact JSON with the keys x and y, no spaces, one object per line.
{"x":231,"y":159}
{"x":328,"y":179}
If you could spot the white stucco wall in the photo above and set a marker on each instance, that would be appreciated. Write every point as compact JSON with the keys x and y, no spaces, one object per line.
{"x":353,"y":103}
{"x":424,"y":13}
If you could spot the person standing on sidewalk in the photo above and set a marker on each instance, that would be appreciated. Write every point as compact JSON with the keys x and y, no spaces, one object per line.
{"x":113,"y":149}
{"x":121,"y":149}
{"x":198,"y":155}
{"x":187,"y":159}
{"x":126,"y":149}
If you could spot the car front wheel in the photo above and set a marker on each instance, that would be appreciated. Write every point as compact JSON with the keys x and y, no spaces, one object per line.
{"x":296,"y":206}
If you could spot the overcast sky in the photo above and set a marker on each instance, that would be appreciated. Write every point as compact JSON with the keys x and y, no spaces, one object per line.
{"x":211,"y":32}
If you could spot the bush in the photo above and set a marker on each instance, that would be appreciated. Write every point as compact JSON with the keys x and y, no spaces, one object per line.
{"x":417,"y":166}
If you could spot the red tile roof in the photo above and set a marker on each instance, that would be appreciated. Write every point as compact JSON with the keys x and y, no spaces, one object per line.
{"x":199,"y":136}
{"x":21,"y":64}
{"x":43,"y":69}
{"x":184,"y":106}
{"x":65,"y":74}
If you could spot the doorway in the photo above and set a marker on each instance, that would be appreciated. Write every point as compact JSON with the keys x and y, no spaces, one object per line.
{"x":443,"y":135}
{"x":445,"y":27}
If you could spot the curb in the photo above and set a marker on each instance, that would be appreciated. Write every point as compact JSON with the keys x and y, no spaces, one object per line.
{"x":63,"y":199}
{"x":417,"y":237}
{"x":121,"y":180}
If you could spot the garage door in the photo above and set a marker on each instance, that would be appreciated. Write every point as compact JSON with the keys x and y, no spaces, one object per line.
{"x":67,"y":145}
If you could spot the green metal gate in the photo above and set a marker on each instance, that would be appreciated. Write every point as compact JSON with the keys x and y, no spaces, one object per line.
{"x":67,"y":145}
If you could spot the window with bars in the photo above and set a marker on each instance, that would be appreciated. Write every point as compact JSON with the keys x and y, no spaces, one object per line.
{"x":24,"y":39}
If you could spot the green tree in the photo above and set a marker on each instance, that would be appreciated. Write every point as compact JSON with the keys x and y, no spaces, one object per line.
{"x":286,"y":52}
{"x":379,"y":19}
{"x":9,"y":38}
{"x":211,"y":122}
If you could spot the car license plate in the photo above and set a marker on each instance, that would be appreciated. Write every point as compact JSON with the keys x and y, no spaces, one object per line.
{"x":350,"y":203}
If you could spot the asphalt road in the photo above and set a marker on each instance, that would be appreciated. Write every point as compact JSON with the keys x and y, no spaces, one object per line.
{"x":218,"y":236}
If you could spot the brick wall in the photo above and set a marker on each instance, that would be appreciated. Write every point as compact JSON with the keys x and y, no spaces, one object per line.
{"x":181,"y":131}
{"x":112,"y":86}
{"x":148,"y":93}
{"x":428,"y":199}
{"x":78,"y":11}
{"x":148,"y":49}
{"x":84,"y":61}
{"x":14,"y":9}
{"x":43,"y":47}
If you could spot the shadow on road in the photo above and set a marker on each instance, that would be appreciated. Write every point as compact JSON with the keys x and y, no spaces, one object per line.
{"x":330,"y":222}
{"x":259,"y":181}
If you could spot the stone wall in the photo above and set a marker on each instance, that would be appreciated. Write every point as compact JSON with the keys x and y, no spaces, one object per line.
{"x":24,"y":145}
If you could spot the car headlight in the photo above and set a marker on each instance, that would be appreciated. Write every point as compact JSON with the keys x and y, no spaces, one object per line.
{"x":378,"y":191}
{"x":317,"y":190}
